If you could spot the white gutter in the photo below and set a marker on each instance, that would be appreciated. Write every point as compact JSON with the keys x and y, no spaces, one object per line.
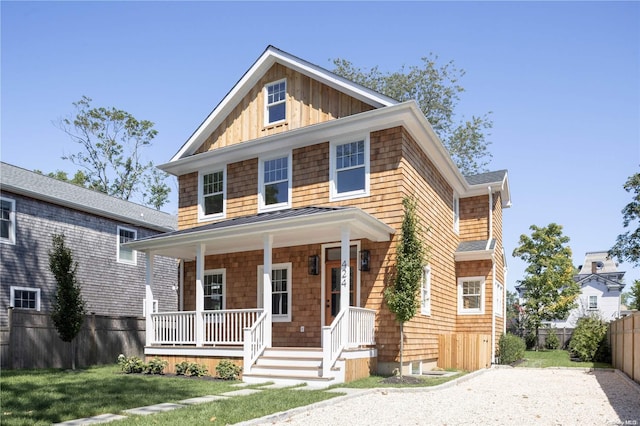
{"x":493,"y":313}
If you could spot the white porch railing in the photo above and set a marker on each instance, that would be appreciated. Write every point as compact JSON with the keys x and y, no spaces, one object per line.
{"x":224,"y":327}
{"x":361,"y":327}
{"x":254,"y":342}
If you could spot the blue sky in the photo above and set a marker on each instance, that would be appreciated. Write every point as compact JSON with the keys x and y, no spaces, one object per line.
{"x":562,"y":80}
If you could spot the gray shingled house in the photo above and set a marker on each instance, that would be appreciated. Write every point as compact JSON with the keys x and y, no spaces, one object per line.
{"x":34,"y":207}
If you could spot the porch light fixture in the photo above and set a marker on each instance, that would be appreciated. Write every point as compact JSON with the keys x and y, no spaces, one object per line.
{"x":314,"y":265}
{"x":364,"y":260}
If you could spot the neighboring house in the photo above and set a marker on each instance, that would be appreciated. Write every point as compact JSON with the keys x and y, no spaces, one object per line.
{"x":290,"y":210}
{"x":34,"y":207}
{"x":600,"y":288}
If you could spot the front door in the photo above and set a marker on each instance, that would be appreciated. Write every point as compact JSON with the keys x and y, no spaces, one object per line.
{"x":332,"y":288}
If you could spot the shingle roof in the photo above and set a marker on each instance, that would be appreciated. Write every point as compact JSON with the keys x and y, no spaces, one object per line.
{"x":24,"y":182}
{"x":485,"y":178}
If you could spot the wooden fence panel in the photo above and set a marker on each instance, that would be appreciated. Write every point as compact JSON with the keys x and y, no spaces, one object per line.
{"x":464,"y":351}
{"x":625,"y":345}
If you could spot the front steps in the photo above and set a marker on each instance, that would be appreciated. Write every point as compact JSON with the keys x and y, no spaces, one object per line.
{"x":293,"y":366}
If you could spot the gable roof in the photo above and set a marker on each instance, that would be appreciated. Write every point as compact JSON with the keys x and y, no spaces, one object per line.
{"x":25,"y":182}
{"x":270,"y":57}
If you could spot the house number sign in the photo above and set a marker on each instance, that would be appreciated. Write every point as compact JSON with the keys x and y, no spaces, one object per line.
{"x":343,"y":277}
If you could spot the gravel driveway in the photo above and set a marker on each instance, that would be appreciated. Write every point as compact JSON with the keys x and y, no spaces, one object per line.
{"x":499,"y":396}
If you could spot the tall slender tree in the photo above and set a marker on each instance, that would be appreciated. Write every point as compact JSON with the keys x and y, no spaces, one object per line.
{"x":627,"y":246}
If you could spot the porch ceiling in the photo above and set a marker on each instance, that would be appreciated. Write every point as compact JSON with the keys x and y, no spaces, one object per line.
{"x":291,"y":227}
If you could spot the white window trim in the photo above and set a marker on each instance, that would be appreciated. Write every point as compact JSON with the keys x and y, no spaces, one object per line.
{"x":154,"y":307}
{"x":201,"y":216}
{"x":425,"y":288}
{"x":333,"y":187}
{"x":222,"y":272}
{"x":456,"y":213}
{"x":589,"y":308}
{"x":287,"y":266}
{"x":468,"y":311}
{"x":12,"y":297}
{"x":133,"y":252}
{"x":265,"y":93}
{"x":498,"y":299}
{"x":12,"y":219}
{"x":262,"y":206}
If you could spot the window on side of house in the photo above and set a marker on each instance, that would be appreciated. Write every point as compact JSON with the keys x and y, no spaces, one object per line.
{"x":275,"y":95}
{"x":456,"y":214}
{"x":25,"y":298}
{"x":349,"y":169}
{"x":593,"y":302}
{"x":7,"y":220}
{"x":275,"y":183}
{"x":214,"y":290}
{"x":498,"y":299}
{"x":425,"y":300}
{"x":212,"y":194}
{"x":280,"y":291}
{"x":154,"y":307}
{"x":471,"y":295}
{"x":126,"y":255}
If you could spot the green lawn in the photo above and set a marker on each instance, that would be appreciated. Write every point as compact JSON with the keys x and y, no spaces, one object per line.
{"x":556,"y":358}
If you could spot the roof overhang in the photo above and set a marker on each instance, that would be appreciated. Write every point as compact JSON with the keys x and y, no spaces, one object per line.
{"x":319,"y":227}
{"x":501,"y":186}
{"x":467,"y":256}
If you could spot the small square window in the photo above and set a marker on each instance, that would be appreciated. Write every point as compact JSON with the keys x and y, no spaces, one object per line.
{"x":25,"y":298}
{"x":275,"y":102}
{"x":125,"y":254}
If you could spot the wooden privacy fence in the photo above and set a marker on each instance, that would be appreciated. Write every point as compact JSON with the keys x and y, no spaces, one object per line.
{"x":464,"y":351}
{"x":625,"y":345}
{"x":31,"y":341}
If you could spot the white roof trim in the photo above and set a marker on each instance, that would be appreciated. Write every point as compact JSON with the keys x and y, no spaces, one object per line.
{"x":466,"y":256}
{"x":271,"y":56}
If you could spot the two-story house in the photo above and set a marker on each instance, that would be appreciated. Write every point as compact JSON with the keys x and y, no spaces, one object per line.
{"x":290,"y":208}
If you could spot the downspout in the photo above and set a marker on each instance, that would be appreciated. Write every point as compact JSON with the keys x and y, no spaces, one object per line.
{"x":181,"y":286}
{"x":493,"y":280}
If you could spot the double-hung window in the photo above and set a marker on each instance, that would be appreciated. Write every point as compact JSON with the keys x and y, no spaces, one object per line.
{"x":593,"y":302}
{"x":425,"y":290}
{"x":275,"y":102}
{"x":349,"y":168}
{"x":471,"y":295}
{"x":211,"y":194}
{"x":125,"y":254}
{"x":214,"y":290}
{"x":275,"y":183}
{"x":498,"y":299}
{"x":280,"y":291}
{"x":7,"y":220}
{"x":25,"y":298}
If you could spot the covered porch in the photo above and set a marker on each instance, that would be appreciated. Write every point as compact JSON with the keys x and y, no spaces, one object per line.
{"x":339,"y":327}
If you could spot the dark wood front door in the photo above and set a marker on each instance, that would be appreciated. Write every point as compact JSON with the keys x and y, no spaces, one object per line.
{"x":332,"y":288}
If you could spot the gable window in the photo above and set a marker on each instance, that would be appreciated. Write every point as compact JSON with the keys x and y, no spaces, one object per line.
{"x":276,"y":102}
{"x":425,"y":300}
{"x":7,"y":220}
{"x":280,"y":291}
{"x":456,"y":214}
{"x":349,"y":169}
{"x":25,"y":298}
{"x":593,"y":302}
{"x":471,"y":295}
{"x":211,"y":192}
{"x":275,"y":183}
{"x":125,"y":254}
{"x":498,"y":299}
{"x":214,"y":290}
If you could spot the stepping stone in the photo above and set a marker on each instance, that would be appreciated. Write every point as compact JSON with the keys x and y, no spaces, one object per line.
{"x":102,"y":418}
{"x":241,"y":392}
{"x":275,"y":386}
{"x":202,"y":399}
{"x":152,"y":409}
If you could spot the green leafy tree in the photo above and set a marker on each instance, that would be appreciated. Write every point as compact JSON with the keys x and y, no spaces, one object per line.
{"x":631,"y":298}
{"x":627,"y":246}
{"x":112,"y":144}
{"x":436,"y":90}
{"x":550,"y":291}
{"x":79,"y":178}
{"x":513,"y":312}
{"x":411,"y":254}
{"x":68,"y":306}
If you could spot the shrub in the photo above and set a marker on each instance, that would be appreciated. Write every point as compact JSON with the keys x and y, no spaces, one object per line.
{"x":552,"y":341}
{"x":182,"y":368}
{"x":227,"y":370}
{"x":131,"y":364}
{"x":155,"y":366}
{"x":530,"y":339}
{"x":511,"y":348}
{"x":588,"y":341}
{"x":192,"y":369}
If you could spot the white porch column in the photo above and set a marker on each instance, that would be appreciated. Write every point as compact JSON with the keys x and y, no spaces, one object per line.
{"x":148,"y":299}
{"x":345,"y":263}
{"x":266,"y":292}
{"x":199,"y":331}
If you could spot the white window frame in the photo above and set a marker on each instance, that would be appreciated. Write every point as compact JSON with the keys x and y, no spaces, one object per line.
{"x":262,"y":196}
{"x":334,"y":195}
{"x":425,"y":291}
{"x":222,"y":272}
{"x":287,"y":266}
{"x":201,"y":214}
{"x":471,"y":311}
{"x":589,"y":303}
{"x":134,"y":253}
{"x":456,"y":213}
{"x":498,"y":299}
{"x":154,"y":307}
{"x":12,"y":301}
{"x":12,"y":222}
{"x":267,"y":104}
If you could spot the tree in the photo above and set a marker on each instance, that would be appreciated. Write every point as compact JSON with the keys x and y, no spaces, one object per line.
{"x":437,"y":92}
{"x":410,"y":258}
{"x":631,"y":298}
{"x":513,"y":312}
{"x":549,"y":288}
{"x":112,"y":142}
{"x":68,"y":306}
{"x":627,"y":246}
{"x":79,"y":178}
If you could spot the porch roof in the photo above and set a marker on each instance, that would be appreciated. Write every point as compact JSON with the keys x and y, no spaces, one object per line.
{"x":290,"y":227}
